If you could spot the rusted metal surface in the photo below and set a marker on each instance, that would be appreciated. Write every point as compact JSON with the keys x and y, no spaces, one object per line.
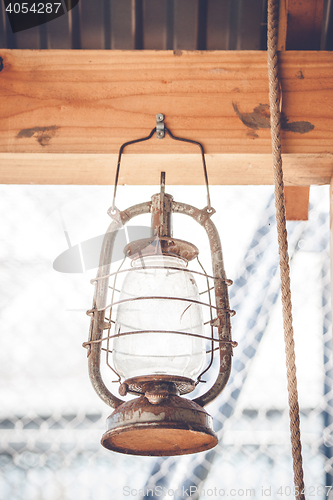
{"x":221,"y":297}
{"x":174,"y":268}
{"x":158,"y":391}
{"x":161,"y":210}
{"x":161,"y":297}
{"x":160,"y":422}
{"x":101,"y":289}
{"x":222,"y":302}
{"x":136,"y":385}
{"x":162,"y":245}
{"x":175,"y":332}
{"x":176,"y":426}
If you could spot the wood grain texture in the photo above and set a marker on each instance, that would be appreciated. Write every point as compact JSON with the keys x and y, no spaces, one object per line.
{"x":297,"y":202}
{"x":300,"y":27}
{"x":142,"y":169}
{"x":92,"y":101}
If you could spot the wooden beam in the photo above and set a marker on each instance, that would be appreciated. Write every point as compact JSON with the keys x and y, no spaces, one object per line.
{"x":182,"y":169}
{"x":297,"y":202}
{"x":300,"y":26}
{"x":60,"y":101}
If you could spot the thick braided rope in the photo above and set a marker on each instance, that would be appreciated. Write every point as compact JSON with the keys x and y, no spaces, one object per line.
{"x":274,"y":100}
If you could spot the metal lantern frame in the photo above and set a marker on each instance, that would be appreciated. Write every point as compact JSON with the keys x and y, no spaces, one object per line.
{"x":171,"y":416}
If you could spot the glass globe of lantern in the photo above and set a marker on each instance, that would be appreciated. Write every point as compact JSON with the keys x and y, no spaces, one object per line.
{"x":159,"y":281}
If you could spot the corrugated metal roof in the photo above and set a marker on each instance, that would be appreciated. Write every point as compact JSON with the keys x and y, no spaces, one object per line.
{"x":154,"y":25}
{"x":147,"y":24}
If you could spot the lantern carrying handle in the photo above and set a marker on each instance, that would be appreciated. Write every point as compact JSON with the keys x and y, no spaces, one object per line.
{"x":160,"y":129}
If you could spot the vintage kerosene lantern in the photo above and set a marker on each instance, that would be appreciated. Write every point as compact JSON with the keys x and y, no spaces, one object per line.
{"x":156,"y":342}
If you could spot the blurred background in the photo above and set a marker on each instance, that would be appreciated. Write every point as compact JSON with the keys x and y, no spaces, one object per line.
{"x":51,"y":421}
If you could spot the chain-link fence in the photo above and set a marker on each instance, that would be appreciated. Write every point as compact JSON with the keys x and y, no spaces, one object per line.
{"x":51,"y":421}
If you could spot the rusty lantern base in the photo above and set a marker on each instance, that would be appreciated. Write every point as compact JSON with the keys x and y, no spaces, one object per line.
{"x":176,"y":426}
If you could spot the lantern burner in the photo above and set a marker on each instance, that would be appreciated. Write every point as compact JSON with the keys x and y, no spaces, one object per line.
{"x":138,"y":385}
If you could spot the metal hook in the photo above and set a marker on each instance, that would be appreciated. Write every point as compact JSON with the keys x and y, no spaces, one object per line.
{"x":160,"y":132}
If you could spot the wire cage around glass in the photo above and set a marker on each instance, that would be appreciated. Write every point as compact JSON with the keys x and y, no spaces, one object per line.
{"x":155,"y":339}
{"x":157,"y":280}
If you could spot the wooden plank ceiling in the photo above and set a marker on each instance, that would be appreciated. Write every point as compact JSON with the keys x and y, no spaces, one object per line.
{"x":65,"y":113}
{"x":61,"y":102}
